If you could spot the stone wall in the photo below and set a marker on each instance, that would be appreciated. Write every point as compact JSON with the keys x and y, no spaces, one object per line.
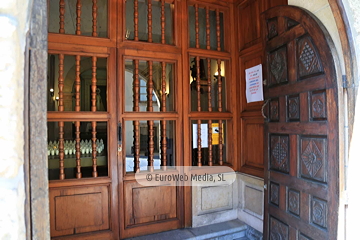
{"x":14,"y":22}
{"x":352,"y":8}
{"x":243,"y":199}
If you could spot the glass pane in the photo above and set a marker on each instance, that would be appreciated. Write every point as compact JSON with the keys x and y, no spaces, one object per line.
{"x":169,"y":39}
{"x":192,"y":34}
{"x":213,"y":37}
{"x":222,"y":36}
{"x":145,"y":144}
{"x":143,"y":26}
{"x":217,"y":150}
{"x":129,"y":5}
{"x":202,"y":28}
{"x":86,"y":17}
{"x":144,"y":84}
{"x":86,"y":148}
{"x":204,"y":85}
{"x":69,"y":89}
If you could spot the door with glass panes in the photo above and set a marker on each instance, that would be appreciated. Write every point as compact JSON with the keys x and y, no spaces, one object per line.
{"x":131,"y":88}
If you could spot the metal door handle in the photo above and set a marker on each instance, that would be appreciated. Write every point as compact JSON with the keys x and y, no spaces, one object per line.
{"x":119,"y":137}
{"x":262,"y":108}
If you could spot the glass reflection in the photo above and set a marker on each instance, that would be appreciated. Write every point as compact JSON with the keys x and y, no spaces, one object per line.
{"x":149,"y":148}
{"x":205,"y":95}
{"x":156,"y":100}
{"x":86,"y":78}
{"x":214,"y":152}
{"x":86,"y":149}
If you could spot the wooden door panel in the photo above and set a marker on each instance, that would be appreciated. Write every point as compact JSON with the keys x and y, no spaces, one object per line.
{"x":301,"y":129}
{"x":148,"y":204}
{"x":249,"y":26}
{"x":79,"y":210}
{"x":252,"y":149}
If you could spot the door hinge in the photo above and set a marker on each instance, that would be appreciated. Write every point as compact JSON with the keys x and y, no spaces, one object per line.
{"x":346,"y":83}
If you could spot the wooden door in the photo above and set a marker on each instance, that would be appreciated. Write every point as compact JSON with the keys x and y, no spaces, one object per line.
{"x":121,"y":101}
{"x":301,"y":131}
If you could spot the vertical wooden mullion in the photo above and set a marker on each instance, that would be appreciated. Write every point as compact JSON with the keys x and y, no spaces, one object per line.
{"x":163,"y":21}
{"x":136,"y":86}
{"x":94,"y":18}
{"x":207,"y":28}
{"x":78,"y":17}
{"x":151,"y":144}
{"x":150,"y":89}
{"x":163,"y":122}
{"x":93,"y":109}
{"x":198,"y":109}
{"x":61,"y":124}
{"x":61,"y":82}
{"x":62,"y":16}
{"x":218,"y":30}
{"x":93,"y":84}
{"x":219,"y":79}
{"x":220,"y":142}
{"x":199,"y":142}
{"x":94,"y":158}
{"x":163,"y":144}
{"x":198,"y":84}
{"x":77,"y":109}
{"x":77,"y":150}
{"x":136,"y":108}
{"x":136,"y":125}
{"x":136,"y":20}
{"x":150,"y":21}
{"x":197,"y":45}
{"x":77,"y":83}
{"x":61,"y":151}
{"x":210,"y":110}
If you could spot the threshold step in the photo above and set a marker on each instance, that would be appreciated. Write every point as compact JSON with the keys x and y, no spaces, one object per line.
{"x":230,"y":230}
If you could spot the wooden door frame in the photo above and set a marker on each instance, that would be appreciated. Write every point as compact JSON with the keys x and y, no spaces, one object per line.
{"x":36,"y":180}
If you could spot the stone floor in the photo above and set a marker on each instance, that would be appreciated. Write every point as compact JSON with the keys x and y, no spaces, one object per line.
{"x":230,"y":230}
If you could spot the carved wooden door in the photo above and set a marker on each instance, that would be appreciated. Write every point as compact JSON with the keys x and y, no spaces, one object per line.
{"x":301,"y":136}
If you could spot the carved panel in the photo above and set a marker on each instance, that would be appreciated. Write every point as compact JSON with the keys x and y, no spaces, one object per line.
{"x":318,"y":105}
{"x":293,"y":201}
{"x":290,"y":23}
{"x":272,"y":28}
{"x":278,"y":66}
{"x":278,"y":230}
{"x":309,"y":62}
{"x":319,"y":212}
{"x":274,"y":110}
{"x":293,"y":108}
{"x":274,"y":193}
{"x":312,"y":156}
{"x":279,"y":153}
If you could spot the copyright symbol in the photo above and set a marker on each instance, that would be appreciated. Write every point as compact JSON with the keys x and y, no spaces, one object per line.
{"x":149,"y":177}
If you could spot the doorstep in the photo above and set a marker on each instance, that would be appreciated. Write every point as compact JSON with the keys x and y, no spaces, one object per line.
{"x":230,"y":230}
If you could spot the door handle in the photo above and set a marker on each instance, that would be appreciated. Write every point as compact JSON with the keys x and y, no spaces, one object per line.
{"x":262,"y":108}
{"x":119,"y":137}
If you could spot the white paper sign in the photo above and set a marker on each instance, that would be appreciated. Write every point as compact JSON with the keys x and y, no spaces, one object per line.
{"x":204,"y":135}
{"x":254,"y":87}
